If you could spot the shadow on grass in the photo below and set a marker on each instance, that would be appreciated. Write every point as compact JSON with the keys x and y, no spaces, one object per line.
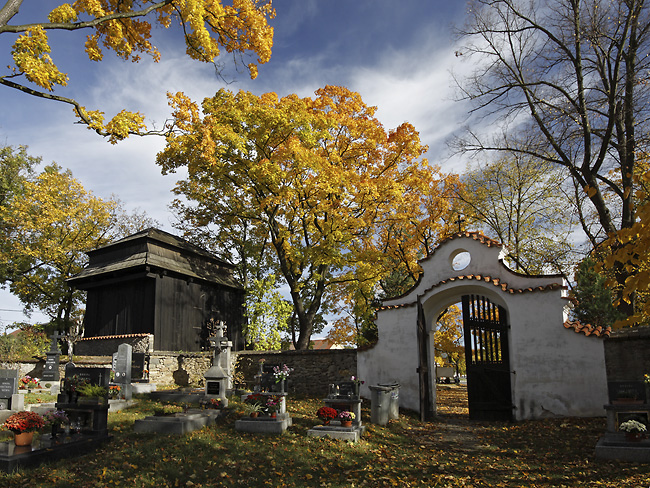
{"x":450,"y":452}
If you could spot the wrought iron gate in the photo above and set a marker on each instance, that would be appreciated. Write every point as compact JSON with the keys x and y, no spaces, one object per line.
{"x":487,"y":359}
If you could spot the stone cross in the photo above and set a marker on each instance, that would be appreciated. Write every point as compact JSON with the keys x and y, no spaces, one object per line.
{"x":55,"y":338}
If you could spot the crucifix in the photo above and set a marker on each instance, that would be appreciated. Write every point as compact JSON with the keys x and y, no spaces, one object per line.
{"x":55,"y":337}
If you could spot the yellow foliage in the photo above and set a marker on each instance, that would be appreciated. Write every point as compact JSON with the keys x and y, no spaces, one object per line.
{"x":125,"y":28}
{"x":31,"y":56}
{"x":630,"y":248}
{"x":338,"y":195}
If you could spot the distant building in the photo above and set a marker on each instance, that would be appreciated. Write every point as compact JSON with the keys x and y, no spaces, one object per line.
{"x":156,"y":284}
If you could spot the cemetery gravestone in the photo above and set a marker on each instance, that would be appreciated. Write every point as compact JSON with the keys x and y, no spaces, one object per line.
{"x":51,"y":369}
{"x":122,"y":369}
{"x":137,"y":366}
{"x":8,"y":387}
{"x":91,"y":419}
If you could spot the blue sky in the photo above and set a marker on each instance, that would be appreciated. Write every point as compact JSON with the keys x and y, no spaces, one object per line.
{"x":397,"y":55}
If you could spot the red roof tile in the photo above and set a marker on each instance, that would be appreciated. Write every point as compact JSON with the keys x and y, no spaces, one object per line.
{"x":587,"y":329}
{"x":121,"y":336}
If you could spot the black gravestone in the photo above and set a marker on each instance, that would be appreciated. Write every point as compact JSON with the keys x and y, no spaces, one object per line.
{"x":8,"y":387}
{"x":626,"y":391}
{"x":7,"y":390}
{"x":137,"y":366}
{"x":94,"y":376}
{"x":51,"y":368}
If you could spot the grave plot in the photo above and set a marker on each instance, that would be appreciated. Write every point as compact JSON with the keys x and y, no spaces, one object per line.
{"x":178,"y":423}
{"x":628,"y":423}
{"x":83,"y":408}
{"x":267,"y":405}
{"x":212,"y":398}
{"x":341,"y":413}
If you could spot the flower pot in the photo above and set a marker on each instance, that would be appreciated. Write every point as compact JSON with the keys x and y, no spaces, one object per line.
{"x":325,"y":421}
{"x":346,"y":423}
{"x":274,"y":415}
{"x":254,"y":414}
{"x":633,"y":436}
{"x":24,"y":438}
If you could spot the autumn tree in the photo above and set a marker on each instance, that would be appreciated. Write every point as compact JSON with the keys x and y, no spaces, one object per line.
{"x":631,"y":250}
{"x":448,"y":339}
{"x":267,"y":314}
{"x":523,"y":203}
{"x":211,"y":29}
{"x":323,"y":179}
{"x":565,"y":81}
{"x":48,"y":228}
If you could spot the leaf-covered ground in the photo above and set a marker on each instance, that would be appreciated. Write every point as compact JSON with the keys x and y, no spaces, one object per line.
{"x":450,"y":452}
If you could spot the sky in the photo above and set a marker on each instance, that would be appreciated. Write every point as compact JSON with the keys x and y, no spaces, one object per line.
{"x":398,"y":55}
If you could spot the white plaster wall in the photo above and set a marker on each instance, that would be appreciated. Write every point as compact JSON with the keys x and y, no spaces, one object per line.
{"x":556,"y":372}
{"x":394,"y":359}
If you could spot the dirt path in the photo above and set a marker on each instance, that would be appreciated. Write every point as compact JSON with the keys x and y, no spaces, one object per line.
{"x":452,"y":429}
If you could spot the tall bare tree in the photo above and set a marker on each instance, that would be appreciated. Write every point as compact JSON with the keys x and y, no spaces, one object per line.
{"x":567,"y":80}
{"x":524,"y":204}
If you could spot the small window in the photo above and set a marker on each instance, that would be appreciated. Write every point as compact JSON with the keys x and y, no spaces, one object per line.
{"x":460,"y":260}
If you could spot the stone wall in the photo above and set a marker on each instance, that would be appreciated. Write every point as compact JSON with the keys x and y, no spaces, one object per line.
{"x":313,"y":370}
{"x":627,"y":354}
{"x":182,"y":369}
{"x":107,"y":345}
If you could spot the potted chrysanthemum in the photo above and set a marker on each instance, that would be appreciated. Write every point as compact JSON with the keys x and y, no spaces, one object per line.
{"x":634,"y":430}
{"x":23,"y":425}
{"x":326,"y":414}
{"x":346,"y":417}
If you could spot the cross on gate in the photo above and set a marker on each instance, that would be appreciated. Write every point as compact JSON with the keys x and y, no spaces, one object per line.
{"x":460,"y":220}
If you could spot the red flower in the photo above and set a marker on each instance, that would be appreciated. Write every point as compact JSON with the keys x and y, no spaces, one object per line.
{"x":326,"y":413}
{"x":24,"y":422}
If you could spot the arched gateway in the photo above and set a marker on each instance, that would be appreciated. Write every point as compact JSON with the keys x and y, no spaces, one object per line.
{"x":524,"y":358}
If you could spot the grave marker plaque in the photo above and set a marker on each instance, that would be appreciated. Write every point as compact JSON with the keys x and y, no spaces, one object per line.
{"x":7,"y":388}
{"x":626,"y":391}
{"x":94,"y":376}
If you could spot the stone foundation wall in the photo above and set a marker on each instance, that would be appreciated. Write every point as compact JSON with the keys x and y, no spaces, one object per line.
{"x":107,"y":345}
{"x":313,"y":370}
{"x":182,"y":369}
{"x":627,"y":354}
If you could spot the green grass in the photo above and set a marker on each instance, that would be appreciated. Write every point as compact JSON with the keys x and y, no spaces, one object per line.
{"x":405,"y":453}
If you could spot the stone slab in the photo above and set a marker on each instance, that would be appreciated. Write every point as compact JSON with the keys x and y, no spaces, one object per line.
{"x":44,"y":449}
{"x":613,"y":446}
{"x":351,"y":434}
{"x":180,"y":423}
{"x":264,"y":425}
{"x":143,"y":387}
{"x":176,"y":396}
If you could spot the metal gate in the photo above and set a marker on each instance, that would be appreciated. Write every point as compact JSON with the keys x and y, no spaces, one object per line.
{"x":487,"y":359}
